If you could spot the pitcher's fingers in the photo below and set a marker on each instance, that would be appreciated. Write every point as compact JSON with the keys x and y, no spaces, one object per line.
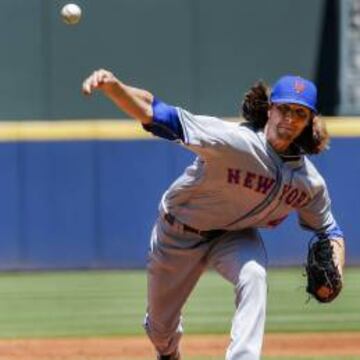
{"x":86,"y":87}
{"x":89,"y":85}
{"x":101,"y":76}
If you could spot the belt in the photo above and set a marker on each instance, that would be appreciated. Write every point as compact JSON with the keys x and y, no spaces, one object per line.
{"x":207,"y":234}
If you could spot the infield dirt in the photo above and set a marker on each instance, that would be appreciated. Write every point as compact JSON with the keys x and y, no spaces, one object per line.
{"x":128,"y":348}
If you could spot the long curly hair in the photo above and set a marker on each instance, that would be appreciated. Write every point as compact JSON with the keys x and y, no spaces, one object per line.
{"x":313,"y":139}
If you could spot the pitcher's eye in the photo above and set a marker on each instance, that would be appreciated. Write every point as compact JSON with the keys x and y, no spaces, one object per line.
{"x":301,"y":113}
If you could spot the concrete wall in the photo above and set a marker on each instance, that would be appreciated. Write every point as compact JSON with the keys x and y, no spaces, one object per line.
{"x":201,"y":54}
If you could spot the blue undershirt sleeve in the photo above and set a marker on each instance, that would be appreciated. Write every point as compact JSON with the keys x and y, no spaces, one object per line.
{"x":166,"y":123}
{"x":333,"y":232}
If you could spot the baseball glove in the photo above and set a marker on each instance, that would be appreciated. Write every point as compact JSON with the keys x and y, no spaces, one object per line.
{"x":324,"y":280}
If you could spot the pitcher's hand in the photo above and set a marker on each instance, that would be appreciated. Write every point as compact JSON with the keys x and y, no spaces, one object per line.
{"x":99,"y":80}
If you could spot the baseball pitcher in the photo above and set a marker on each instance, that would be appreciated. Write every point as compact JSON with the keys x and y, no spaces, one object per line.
{"x":246,"y":176}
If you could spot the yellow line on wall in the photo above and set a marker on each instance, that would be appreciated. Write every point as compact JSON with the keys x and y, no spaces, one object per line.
{"x":72,"y":130}
{"x":343,"y":126}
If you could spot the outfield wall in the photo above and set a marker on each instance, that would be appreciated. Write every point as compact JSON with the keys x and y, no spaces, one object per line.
{"x":81,"y":195}
{"x":85,"y":195}
{"x":185,"y":51}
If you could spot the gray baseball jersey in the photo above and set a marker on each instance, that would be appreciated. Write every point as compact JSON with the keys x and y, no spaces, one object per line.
{"x":239,"y":181}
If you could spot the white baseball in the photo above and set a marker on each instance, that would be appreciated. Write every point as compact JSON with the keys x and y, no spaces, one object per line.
{"x":71,"y":14}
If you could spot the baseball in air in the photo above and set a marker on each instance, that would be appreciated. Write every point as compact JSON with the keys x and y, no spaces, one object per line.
{"x":71,"y":14}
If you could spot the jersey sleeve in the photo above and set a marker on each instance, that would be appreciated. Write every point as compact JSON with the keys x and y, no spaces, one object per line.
{"x":201,"y":134}
{"x":317,"y":216}
{"x":201,"y":131}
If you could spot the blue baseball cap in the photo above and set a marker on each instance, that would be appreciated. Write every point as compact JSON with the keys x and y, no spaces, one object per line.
{"x":294,"y":90}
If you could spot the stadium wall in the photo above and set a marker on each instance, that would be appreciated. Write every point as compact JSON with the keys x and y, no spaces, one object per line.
{"x":186,"y":51}
{"x":85,"y":194}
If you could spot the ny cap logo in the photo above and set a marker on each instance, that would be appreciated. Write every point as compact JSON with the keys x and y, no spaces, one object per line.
{"x":299,"y":86}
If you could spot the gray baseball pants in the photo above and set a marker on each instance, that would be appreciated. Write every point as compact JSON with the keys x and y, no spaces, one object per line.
{"x":177,"y":259}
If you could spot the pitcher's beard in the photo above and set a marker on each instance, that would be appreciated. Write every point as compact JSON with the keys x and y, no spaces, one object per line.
{"x":284,"y":134}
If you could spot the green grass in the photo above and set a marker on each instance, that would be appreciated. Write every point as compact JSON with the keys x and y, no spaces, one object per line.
{"x":289,"y":310}
{"x":111,"y":303}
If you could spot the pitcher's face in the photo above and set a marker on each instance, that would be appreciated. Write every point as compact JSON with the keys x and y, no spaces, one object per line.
{"x":285,"y":123}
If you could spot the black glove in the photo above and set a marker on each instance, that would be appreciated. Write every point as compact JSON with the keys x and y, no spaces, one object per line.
{"x":324,"y":280}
